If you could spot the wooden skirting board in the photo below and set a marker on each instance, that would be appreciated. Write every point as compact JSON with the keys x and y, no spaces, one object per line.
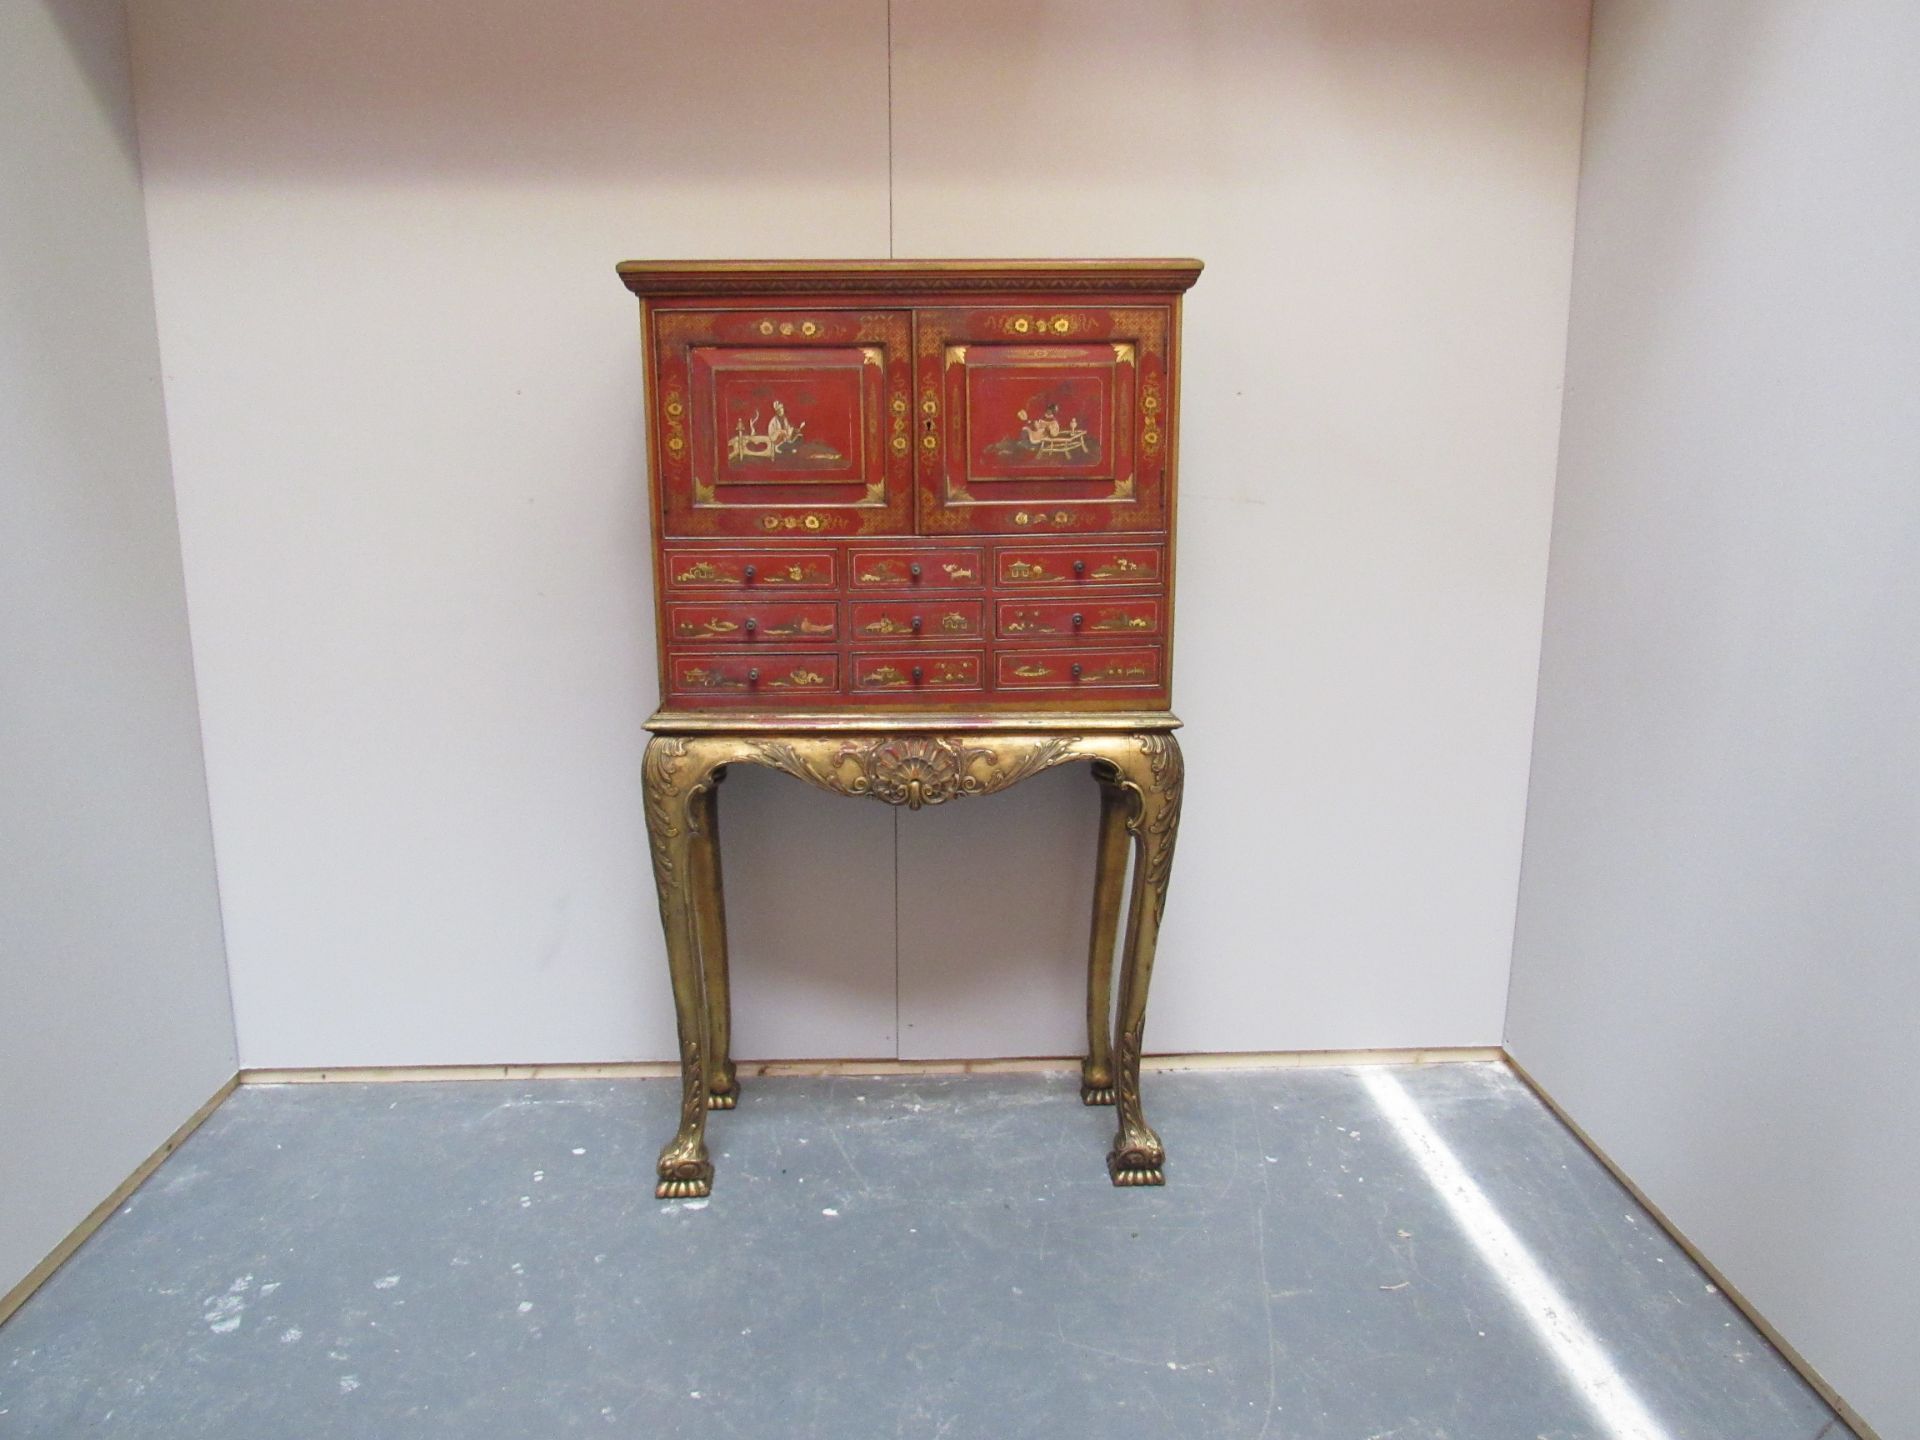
{"x":748,"y":1069}
{"x":36,"y":1277}
{"x":1725,"y":1286}
{"x":661,"y":1070}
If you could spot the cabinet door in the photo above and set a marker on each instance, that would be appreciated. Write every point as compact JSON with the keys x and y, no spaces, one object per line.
{"x":1043,"y":419}
{"x":783,"y":422}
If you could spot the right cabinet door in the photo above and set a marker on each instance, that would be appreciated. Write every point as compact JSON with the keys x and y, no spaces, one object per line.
{"x":1043,"y":419}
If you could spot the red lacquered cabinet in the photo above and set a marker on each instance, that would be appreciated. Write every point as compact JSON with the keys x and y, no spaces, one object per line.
{"x":937,"y":488}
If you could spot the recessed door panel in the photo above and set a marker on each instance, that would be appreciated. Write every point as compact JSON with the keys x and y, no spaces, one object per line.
{"x":783,"y":422}
{"x":1042,"y":420}
{"x":776,"y":419}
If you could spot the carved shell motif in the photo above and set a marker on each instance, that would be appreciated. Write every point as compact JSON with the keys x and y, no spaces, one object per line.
{"x":913,"y":770}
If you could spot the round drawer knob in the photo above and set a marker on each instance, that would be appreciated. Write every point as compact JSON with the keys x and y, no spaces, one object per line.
{"x":752,"y":625}
{"x":918,"y":674}
{"x":914,"y":569}
{"x":1078,"y":620}
{"x":916,"y":624}
{"x":749,"y":572}
{"x":1079,"y":567}
{"x":1076,"y":669}
{"x":753,"y":677}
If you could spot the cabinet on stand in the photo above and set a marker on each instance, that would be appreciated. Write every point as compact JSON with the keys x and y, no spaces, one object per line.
{"x":913,"y":531}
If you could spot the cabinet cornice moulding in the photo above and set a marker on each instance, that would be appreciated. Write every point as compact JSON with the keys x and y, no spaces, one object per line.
{"x":663,"y":278}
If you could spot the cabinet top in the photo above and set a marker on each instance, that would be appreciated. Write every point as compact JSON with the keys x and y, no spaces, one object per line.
{"x":799,"y":277}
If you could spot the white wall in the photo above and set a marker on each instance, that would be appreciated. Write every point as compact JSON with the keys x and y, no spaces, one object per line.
{"x":403,"y":385}
{"x":1715,"y":968}
{"x":404,"y":396}
{"x":1383,"y":194}
{"x":114,"y":1024}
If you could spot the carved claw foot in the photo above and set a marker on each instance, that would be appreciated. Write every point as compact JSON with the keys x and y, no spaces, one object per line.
{"x":1137,"y":1167}
{"x":684,"y":1174}
{"x":725,"y":1091}
{"x":1137,"y":1159}
{"x":689,"y":1180}
{"x":1096,"y":1083}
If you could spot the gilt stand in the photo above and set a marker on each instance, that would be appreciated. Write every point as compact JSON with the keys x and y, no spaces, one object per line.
{"x":1140,"y":774}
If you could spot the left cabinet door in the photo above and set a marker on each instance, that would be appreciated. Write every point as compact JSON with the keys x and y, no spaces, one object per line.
{"x":783,"y":421}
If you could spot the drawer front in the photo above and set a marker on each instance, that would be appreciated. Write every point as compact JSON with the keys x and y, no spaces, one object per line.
{"x":1019,"y":566}
{"x":783,"y":419}
{"x":1043,"y":419}
{"x":741,"y":622}
{"x":1132,"y":616}
{"x":749,"y":569}
{"x":913,"y":673}
{"x":1134,"y":668}
{"x":930,"y":619}
{"x":897,"y":568}
{"x":768,"y":677}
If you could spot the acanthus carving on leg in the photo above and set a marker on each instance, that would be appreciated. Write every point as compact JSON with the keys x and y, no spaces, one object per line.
{"x":1160,"y":829}
{"x":665,"y":813}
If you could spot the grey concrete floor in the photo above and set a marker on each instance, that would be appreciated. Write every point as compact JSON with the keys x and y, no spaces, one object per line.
{"x":924,"y":1257}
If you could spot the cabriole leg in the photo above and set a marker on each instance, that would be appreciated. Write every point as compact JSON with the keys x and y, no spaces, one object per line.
{"x":673,"y":779}
{"x":1156,"y":776}
{"x":710,"y":923}
{"x":1109,"y":876}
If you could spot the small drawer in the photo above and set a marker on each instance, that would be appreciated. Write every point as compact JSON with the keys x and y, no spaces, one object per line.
{"x":933,"y":619}
{"x":1132,"y":616}
{"x":1134,"y":668}
{"x":744,"y":623}
{"x":895,"y":569}
{"x":1016,"y":565}
{"x":773,"y":675}
{"x":749,"y":569}
{"x":908,"y":673}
